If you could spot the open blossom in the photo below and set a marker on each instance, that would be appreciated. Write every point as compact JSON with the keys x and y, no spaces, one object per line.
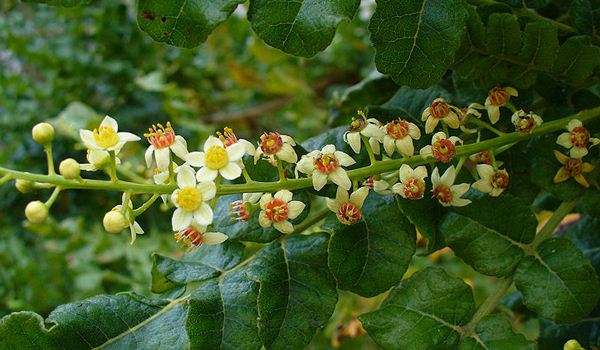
{"x":278,"y":210}
{"x":577,"y":139}
{"x":243,"y":209}
{"x":97,"y":160}
{"x":195,"y":235}
{"x":525,"y":122}
{"x":190,"y":199}
{"x":399,"y":135}
{"x":134,"y":227}
{"x":440,"y":110}
{"x":276,"y":145}
{"x":229,"y":138}
{"x":363,"y":127}
{"x":348,"y":208}
{"x":325,"y":165}
{"x":106,"y":137}
{"x":443,"y":149}
{"x":572,"y":167}
{"x":163,"y":141}
{"x":492,"y":181}
{"x":444,"y":189}
{"x":217,"y":159}
{"x":412,"y":182}
{"x":497,"y":98}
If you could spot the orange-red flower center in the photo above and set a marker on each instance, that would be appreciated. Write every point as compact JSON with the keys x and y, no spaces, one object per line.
{"x":439,"y":109}
{"x":190,"y":238}
{"x":397,"y":129}
{"x":524,"y":123}
{"x":444,"y":150}
{"x":443,"y":194}
{"x":271,"y":143}
{"x":482,"y":157}
{"x":326,"y":163}
{"x":348,"y":213}
{"x":500,"y":180}
{"x":573,"y":166}
{"x":276,"y":210}
{"x":499,"y":96}
{"x":414,"y":189}
{"x":580,"y":137}
{"x":240,"y":210}
{"x":160,"y":136}
{"x":228,"y":137}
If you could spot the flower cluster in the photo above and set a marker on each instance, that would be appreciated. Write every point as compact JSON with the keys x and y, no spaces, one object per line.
{"x":576,"y":140}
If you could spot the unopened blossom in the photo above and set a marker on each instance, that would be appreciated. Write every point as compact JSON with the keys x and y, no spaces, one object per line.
{"x":445,"y":191}
{"x":497,"y":98}
{"x":106,"y":137}
{"x":134,"y":227}
{"x":399,"y":136}
{"x":278,"y":210}
{"x":243,"y":209}
{"x":276,"y":145}
{"x":163,"y":141}
{"x":443,"y":149}
{"x":190,"y":200}
{"x":525,"y":122}
{"x":195,"y":235}
{"x":492,"y":181}
{"x":229,"y":138}
{"x":412,"y":182}
{"x":348,"y":208}
{"x":325,"y":165}
{"x":572,"y":167}
{"x":217,"y":160}
{"x":97,"y":160}
{"x":369,"y":128}
{"x":577,"y":139}
{"x":378,"y":185}
{"x":440,"y":110}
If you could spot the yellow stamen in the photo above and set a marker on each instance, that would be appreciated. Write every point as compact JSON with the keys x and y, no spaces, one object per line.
{"x":216,"y":157}
{"x":105,"y":136}
{"x":189,"y":198}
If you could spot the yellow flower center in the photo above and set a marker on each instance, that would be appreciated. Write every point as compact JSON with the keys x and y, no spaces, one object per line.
{"x":105,"y":136}
{"x":216,"y":157}
{"x":189,"y":198}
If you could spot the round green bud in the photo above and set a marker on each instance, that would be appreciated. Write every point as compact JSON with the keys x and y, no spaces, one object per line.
{"x":573,"y":345}
{"x":36,"y":212}
{"x":43,"y":133}
{"x":24,"y":186}
{"x":69,"y":168}
{"x":114,"y":221}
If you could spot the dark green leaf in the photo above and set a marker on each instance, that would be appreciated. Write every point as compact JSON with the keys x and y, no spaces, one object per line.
{"x":494,"y":332}
{"x":585,"y":15}
{"x":540,"y":46}
{"x":65,"y":3}
{"x":24,"y":330}
{"x":425,"y":312}
{"x":577,"y":59}
{"x":415,"y":41}
{"x":426,"y":215}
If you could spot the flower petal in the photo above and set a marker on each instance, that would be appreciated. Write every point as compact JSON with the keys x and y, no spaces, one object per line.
{"x":574,"y":123}
{"x":578,"y":152}
{"x":212,"y":141}
{"x":108,"y":121}
{"x":287,"y":154}
{"x":353,"y":139}
{"x":485,"y":171}
{"x":206,"y":174}
{"x":482,"y":186}
{"x":405,"y":172}
{"x":284,"y":195}
{"x":449,"y":176}
{"x":452,"y":120}
{"x":340,"y":178}
{"x":179,"y":147}
{"x":284,"y":227}
{"x":561,"y":175}
{"x":420,"y":172}
{"x":493,"y":113}
{"x":405,"y":146}
{"x":263,"y":220}
{"x":211,"y":238}
{"x":207,"y":189}
{"x":358,"y":197}
{"x":235,"y":152}
{"x":231,"y":171}
{"x":344,"y":159}
{"x":328,"y":149}
{"x":185,"y":177}
{"x":181,"y":219}
{"x":87,"y":137}
{"x":265,"y":199}
{"x":203,"y":215}
{"x":389,"y":145}
{"x":430,"y":124}
{"x":414,"y":131}
{"x":148,"y":156}
{"x":295,"y":208}
{"x":128,"y":137}
{"x":195,"y":159}
{"x":319,"y":180}
{"x":163,"y":158}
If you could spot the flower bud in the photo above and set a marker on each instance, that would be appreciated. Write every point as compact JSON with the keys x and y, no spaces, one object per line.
{"x":24,"y":186}
{"x":43,"y":133}
{"x":69,"y":168}
{"x":573,"y":345}
{"x":36,"y":212}
{"x":114,"y":221}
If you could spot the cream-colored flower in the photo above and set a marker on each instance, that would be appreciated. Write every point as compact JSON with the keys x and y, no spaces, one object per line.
{"x":412,"y":182}
{"x":399,"y":135}
{"x":106,"y":137}
{"x":195,"y":235}
{"x":492,"y":181}
{"x":369,"y":128}
{"x":572,"y":167}
{"x":348,"y":209}
{"x":444,"y":189}
{"x":440,"y":110}
{"x":325,"y":165}
{"x":378,"y":185}
{"x":190,"y":199}
{"x":497,"y":98}
{"x":278,"y":210}
{"x":577,"y":139}
{"x":276,"y":145}
{"x":217,"y":159}
{"x":525,"y":122}
{"x":97,"y":160}
{"x":163,"y":141}
{"x":442,"y":148}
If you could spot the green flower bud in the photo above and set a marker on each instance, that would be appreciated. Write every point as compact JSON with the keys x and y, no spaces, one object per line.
{"x":24,"y":186}
{"x":69,"y":168}
{"x":36,"y":212}
{"x":573,"y":345}
{"x":43,"y":133}
{"x":114,"y":222}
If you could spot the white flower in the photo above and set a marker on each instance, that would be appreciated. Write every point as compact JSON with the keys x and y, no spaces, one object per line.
{"x":163,"y":141}
{"x":399,"y":135}
{"x":106,"y":137}
{"x":190,"y":199}
{"x":442,"y":149}
{"x":440,"y":110}
{"x":492,"y":181}
{"x":445,"y":191}
{"x":577,"y":139}
{"x":412,"y":182}
{"x":369,"y":128}
{"x":276,"y":145}
{"x":134,"y":227}
{"x":525,"y":122}
{"x":195,"y":235}
{"x":216,"y":159}
{"x":348,"y":208}
{"x":97,"y":160}
{"x":325,"y":165}
{"x":497,"y":98}
{"x":278,"y":210}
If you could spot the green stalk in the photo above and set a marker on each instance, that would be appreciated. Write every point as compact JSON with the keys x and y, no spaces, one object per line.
{"x":486,"y":125}
{"x":137,"y":212}
{"x":113,"y":167}
{"x":4,"y":179}
{"x":48,"y":150}
{"x":53,"y":196}
{"x":487,"y":306}
{"x":563,"y":209}
{"x":280,"y":171}
{"x":365,"y":140}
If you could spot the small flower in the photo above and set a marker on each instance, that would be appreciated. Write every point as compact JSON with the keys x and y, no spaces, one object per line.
{"x":440,"y":110}
{"x":325,"y":165}
{"x":445,"y":191}
{"x":481,"y":157}
{"x":190,"y":199}
{"x":163,"y":141}
{"x":572,"y":167}
{"x":106,"y":137}
{"x":412,"y":182}
{"x":497,"y":98}
{"x":134,"y":227}
{"x":468,"y":111}
{"x":525,"y":123}
{"x":195,"y":235}
{"x":243,"y":209}
{"x":363,"y":127}
{"x":381,"y":187}
{"x":348,"y":208}
{"x":443,"y":149}
{"x":577,"y":139}
{"x":217,"y":159}
{"x":399,"y":135}
{"x":276,"y":145}
{"x":492,"y":181}
{"x":229,"y":138}
{"x":278,"y":210}
{"x":97,"y":160}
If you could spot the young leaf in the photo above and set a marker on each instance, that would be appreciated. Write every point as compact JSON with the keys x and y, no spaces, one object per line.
{"x":415,"y":41}
{"x":494,"y":332}
{"x":372,"y":255}
{"x":300,"y":28}
{"x":424,"y":312}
